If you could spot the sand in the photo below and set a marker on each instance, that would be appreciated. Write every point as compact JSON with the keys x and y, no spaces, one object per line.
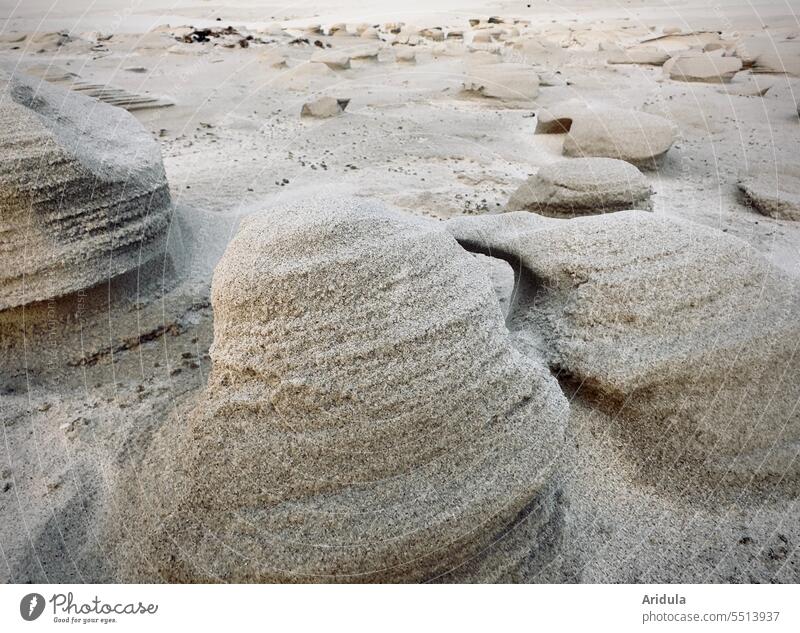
{"x":91,"y":378}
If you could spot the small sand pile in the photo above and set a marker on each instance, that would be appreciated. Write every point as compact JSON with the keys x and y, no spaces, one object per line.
{"x":374,"y":412}
{"x":583,"y":186}
{"x":648,"y":55}
{"x":83,"y":195}
{"x":636,"y":137}
{"x":324,"y":107}
{"x":305,"y":77}
{"x":367,"y":418}
{"x":503,"y":81}
{"x":558,"y":119}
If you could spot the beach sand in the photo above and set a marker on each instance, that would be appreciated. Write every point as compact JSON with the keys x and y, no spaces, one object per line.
{"x":87,"y":379}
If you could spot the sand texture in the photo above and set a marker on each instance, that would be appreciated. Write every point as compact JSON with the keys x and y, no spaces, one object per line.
{"x":431,"y":293}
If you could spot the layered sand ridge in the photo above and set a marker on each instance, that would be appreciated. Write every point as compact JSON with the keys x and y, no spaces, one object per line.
{"x":83,"y":194}
{"x":681,"y":330}
{"x":367,"y":418}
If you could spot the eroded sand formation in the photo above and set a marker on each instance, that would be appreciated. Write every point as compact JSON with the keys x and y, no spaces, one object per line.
{"x":366,"y":394}
{"x":408,"y":439}
{"x":671,"y":325}
{"x":83,"y":193}
{"x":583,"y":186}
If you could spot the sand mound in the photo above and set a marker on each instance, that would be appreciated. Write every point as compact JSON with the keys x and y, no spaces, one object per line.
{"x":636,"y":137}
{"x":83,"y":195}
{"x":507,"y":82}
{"x":774,"y":191}
{"x":583,"y":186}
{"x":366,"y":418}
{"x":766,"y":55}
{"x":646,"y":55}
{"x":305,"y":77}
{"x":705,"y":67}
{"x":682,"y":332}
{"x":368,"y":52}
